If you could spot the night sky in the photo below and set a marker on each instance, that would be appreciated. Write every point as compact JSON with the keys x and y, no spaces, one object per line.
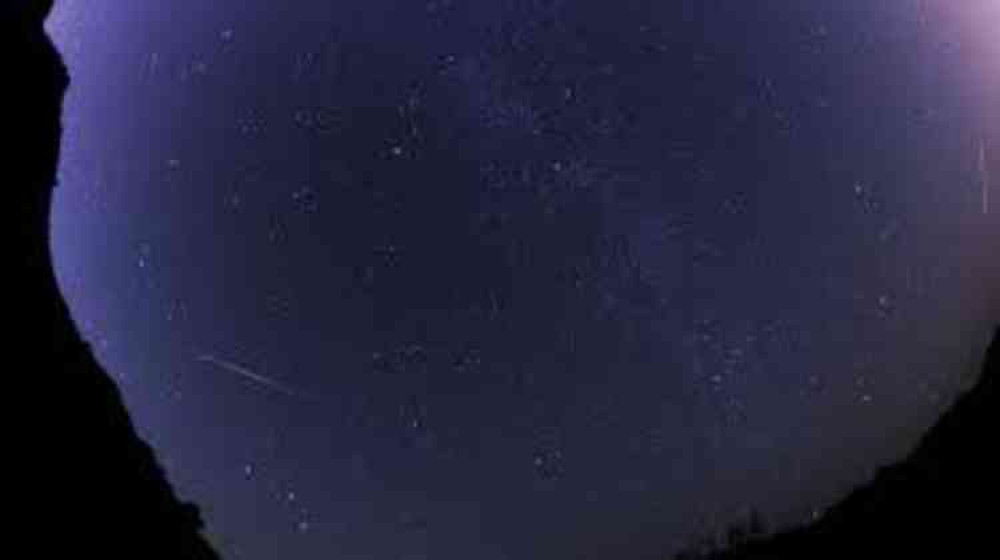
{"x":526,"y":279}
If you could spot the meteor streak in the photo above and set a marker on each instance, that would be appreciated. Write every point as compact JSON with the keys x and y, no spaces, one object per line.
{"x":248,"y":374}
{"x":984,"y":176}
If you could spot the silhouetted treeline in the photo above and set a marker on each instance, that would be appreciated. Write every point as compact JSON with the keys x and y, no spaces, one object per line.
{"x":85,"y":485}
{"x":939,"y":502}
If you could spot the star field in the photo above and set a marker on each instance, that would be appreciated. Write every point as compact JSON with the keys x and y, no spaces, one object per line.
{"x":524,"y":279}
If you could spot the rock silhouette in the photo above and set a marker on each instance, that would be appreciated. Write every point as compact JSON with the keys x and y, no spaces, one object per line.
{"x":99,"y":490}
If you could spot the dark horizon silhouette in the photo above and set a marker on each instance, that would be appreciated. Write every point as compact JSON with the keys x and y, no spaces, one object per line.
{"x":99,"y":490}
{"x":935,"y":503}
{"x":96,"y":488}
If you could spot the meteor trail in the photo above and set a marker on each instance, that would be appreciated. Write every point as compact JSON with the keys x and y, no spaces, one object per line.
{"x":984,"y":176}
{"x":248,"y":374}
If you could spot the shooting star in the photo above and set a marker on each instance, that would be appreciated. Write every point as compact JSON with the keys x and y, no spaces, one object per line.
{"x":984,"y":177}
{"x":246,"y":373}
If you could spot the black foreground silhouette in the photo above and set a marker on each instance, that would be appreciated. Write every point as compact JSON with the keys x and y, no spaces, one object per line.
{"x":97,"y":490}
